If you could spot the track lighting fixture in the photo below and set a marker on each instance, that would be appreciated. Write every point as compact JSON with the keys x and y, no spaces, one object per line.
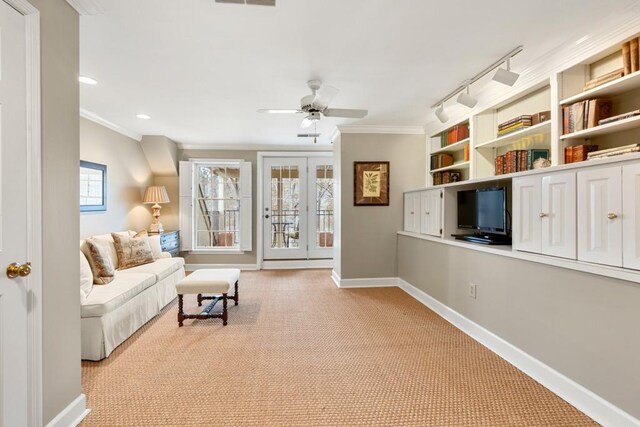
{"x":440,"y":114}
{"x":506,"y":77}
{"x":467,"y":100}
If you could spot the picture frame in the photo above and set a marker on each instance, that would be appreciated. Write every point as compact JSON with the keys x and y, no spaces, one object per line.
{"x":93,"y":187}
{"x":371,"y":183}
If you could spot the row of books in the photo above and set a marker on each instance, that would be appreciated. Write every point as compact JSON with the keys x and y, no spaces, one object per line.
{"x":453,"y":135}
{"x":630,"y":58}
{"x":585,"y":114}
{"x":617,"y":151}
{"x":518,"y":160}
{"x":441,"y":160}
{"x":446,"y":177}
{"x":521,"y":122}
{"x":578,"y":153}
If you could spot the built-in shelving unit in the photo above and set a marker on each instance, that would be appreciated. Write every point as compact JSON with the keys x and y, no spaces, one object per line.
{"x":613,"y":88}
{"x":453,"y":143}
{"x":461,"y":165}
{"x":607,"y":129}
{"x":541,"y":130}
{"x":453,"y":147}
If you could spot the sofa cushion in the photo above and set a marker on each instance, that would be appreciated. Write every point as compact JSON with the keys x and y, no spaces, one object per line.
{"x":156,"y":247}
{"x":125,"y":286}
{"x":86,"y":278}
{"x":100,"y":263}
{"x":161,"y":268}
{"x":132,"y":250}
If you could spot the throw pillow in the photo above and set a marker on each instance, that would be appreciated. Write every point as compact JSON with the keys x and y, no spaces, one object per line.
{"x":133,"y":251}
{"x":101,"y":265}
{"x":86,"y":278}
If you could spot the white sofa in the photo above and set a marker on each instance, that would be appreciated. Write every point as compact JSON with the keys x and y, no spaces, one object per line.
{"x":111,"y":313}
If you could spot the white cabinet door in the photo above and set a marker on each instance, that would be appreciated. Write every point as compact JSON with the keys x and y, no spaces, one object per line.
{"x":431,"y":212}
{"x":558,"y":218}
{"x":526,"y":214}
{"x":411,"y":217}
{"x":599,"y":211}
{"x":631,"y":216}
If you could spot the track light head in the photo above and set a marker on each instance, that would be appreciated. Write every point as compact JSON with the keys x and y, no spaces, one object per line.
{"x":441,"y":115}
{"x":467,"y":100}
{"x":506,"y":77}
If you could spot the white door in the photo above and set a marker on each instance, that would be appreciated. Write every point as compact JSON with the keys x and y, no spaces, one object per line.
{"x":321,"y":191}
{"x":559,"y":215}
{"x":631,"y":216}
{"x":284,"y":213}
{"x":526,"y":232}
{"x":431,"y":212}
{"x":411,"y":208}
{"x":13,"y":212}
{"x":599,"y":222}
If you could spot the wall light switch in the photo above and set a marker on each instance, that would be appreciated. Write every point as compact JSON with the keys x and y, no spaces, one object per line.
{"x":472,"y":290}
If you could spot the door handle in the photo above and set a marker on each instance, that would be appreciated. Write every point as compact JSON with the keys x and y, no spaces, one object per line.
{"x":612,"y":215}
{"x":542,"y":215}
{"x":14,"y":270}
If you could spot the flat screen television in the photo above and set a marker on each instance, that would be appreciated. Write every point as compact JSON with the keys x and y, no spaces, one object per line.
{"x":483,"y":210}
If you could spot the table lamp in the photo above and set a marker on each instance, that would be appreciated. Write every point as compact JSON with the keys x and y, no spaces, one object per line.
{"x":156,"y":195}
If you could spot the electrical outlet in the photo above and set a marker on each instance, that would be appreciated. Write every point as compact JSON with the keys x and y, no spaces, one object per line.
{"x":472,"y":290}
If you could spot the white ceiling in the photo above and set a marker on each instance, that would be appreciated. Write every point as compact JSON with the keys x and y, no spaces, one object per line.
{"x":200,"y":69}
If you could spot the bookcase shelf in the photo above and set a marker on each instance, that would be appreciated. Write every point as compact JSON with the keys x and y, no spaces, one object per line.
{"x":458,"y":146}
{"x":461,"y":165}
{"x":613,"y":88}
{"x":609,"y":128}
{"x":503,"y":141}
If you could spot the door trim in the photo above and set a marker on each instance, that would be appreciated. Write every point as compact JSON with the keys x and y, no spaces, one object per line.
{"x":260,"y":205}
{"x":34,"y":209}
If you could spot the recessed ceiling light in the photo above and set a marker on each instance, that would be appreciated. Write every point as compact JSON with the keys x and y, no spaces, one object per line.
{"x":143,"y":116}
{"x":87,"y":80}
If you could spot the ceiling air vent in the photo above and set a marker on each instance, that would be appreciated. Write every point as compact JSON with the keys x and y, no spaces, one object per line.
{"x":308,"y":135}
{"x":250,"y":2}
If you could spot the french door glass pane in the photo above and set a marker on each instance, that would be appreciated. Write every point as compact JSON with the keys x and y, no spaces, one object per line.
{"x":285,"y":202}
{"x":324,"y":206}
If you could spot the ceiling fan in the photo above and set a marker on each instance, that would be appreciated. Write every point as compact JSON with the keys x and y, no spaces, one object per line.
{"x":317,"y":104}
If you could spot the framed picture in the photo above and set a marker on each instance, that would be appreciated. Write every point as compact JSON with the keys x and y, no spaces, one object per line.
{"x":93,"y":187}
{"x":371,"y":183}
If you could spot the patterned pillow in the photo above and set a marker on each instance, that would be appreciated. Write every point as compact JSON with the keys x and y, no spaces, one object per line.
{"x":132,"y":250}
{"x":101,"y":265}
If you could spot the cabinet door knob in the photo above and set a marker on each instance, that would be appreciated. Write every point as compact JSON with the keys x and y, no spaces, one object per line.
{"x":612,"y":215}
{"x":427,"y":212}
{"x":411,"y":212}
{"x":542,"y":214}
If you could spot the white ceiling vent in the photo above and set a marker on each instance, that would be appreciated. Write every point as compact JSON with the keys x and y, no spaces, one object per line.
{"x":250,"y":2}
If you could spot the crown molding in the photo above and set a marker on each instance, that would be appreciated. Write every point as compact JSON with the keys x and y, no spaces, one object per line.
{"x":397,"y":130}
{"x":114,"y":127}
{"x":334,"y":135}
{"x":87,"y":7}
{"x":255,"y":147}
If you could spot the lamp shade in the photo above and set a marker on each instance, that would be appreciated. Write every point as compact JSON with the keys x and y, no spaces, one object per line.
{"x":156,"y":194}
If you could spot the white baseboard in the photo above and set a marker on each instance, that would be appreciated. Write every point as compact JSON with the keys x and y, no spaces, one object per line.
{"x":295,"y":264}
{"x":194,"y":267}
{"x":583,"y":399}
{"x":380,"y":282}
{"x":72,"y":415}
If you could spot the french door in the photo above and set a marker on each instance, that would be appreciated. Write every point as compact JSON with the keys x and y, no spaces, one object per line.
{"x":297,"y":210}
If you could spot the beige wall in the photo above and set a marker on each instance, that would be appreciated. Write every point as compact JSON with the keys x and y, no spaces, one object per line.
{"x":128,"y":174}
{"x":368,"y":233}
{"x":59,"y":28}
{"x":582,"y":325}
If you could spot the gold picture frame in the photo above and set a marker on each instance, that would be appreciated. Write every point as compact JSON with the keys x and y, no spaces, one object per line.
{"x":371,"y":183}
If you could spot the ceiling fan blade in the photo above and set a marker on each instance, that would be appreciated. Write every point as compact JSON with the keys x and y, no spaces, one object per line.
{"x":305,"y":123}
{"x":345,"y":112}
{"x":276,"y":111}
{"x":325,"y":95}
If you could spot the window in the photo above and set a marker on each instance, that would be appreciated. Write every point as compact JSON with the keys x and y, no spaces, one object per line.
{"x":215,"y":205}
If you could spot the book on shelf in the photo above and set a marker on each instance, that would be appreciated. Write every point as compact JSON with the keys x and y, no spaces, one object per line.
{"x":609,"y":152}
{"x":513,"y":128}
{"x":518,"y":160}
{"x":585,"y":114}
{"x":454,"y":134}
{"x":441,"y":160}
{"x":515,"y":120}
{"x":605,"y":78}
{"x":578,"y":153}
{"x":540,"y":117}
{"x":466,"y":152}
{"x":598,"y":109}
{"x":446,"y":177}
{"x":623,"y":116}
{"x":626,"y":58}
{"x":634,"y":55}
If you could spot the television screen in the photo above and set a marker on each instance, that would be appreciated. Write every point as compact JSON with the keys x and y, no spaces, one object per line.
{"x":483,"y":210}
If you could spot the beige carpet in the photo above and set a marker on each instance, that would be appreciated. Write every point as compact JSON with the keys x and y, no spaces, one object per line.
{"x":300,"y":352}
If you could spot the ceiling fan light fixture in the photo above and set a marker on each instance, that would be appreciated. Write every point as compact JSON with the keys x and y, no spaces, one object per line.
{"x":506,"y":77}
{"x":467,"y":100}
{"x":441,"y":115}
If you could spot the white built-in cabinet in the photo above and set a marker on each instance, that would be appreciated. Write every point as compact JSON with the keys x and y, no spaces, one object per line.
{"x":423,"y":212}
{"x":544,"y":212}
{"x":631,"y":216}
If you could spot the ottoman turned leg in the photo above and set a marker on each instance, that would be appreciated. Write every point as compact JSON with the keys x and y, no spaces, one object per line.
{"x":199,"y":300}
{"x":235,"y":295}
{"x":224,"y":309}
{"x":180,"y":312}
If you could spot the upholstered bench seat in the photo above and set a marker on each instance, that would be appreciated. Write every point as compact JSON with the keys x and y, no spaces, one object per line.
{"x":216,"y":283}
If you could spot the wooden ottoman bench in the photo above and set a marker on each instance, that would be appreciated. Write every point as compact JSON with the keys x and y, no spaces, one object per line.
{"x":208,"y":281}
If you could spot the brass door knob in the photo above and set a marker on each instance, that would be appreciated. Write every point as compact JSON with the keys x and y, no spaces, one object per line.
{"x":611,"y":215}
{"x":14,"y":270}
{"x":542,"y":214}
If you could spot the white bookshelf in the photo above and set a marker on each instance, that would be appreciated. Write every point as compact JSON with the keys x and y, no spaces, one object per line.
{"x":458,"y":146}
{"x":461,"y":165}
{"x":609,"y":128}
{"x":526,"y":133}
